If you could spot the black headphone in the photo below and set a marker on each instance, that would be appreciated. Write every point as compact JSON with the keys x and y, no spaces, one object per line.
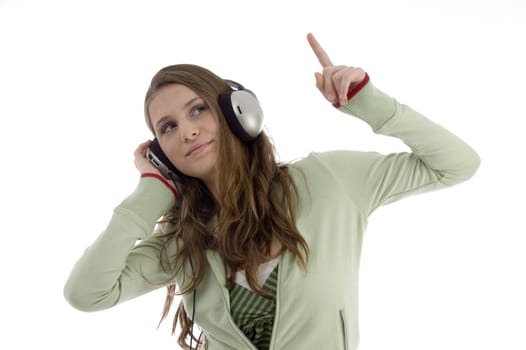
{"x":242,"y":111}
{"x":244,"y":117}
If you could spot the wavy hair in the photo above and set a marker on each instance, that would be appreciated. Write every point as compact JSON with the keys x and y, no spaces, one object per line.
{"x":256,"y":205}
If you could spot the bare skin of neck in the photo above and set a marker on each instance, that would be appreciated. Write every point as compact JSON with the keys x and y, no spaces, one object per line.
{"x":275,"y":249}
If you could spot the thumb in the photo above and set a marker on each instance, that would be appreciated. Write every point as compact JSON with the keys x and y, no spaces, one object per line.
{"x":319,"y":82}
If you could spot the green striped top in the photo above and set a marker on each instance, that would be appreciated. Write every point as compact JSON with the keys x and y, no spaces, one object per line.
{"x":254,"y":314}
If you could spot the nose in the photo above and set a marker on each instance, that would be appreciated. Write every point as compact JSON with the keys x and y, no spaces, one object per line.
{"x":189,"y":132}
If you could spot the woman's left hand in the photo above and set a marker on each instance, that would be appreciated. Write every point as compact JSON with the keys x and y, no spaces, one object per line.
{"x":334,"y":82}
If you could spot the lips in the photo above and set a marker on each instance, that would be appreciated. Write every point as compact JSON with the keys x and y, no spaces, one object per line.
{"x":197,"y":148}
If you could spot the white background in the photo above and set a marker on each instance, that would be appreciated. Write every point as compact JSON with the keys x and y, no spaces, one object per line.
{"x":445,"y":270}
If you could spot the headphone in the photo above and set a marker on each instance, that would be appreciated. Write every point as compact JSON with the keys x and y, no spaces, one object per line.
{"x":243,"y":115}
{"x":242,"y":111}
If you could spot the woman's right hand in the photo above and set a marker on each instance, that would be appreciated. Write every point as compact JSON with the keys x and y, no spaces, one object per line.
{"x":141,"y":162}
{"x":146,"y":167}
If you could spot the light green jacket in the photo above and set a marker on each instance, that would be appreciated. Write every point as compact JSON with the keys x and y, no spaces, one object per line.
{"x":317,"y":309}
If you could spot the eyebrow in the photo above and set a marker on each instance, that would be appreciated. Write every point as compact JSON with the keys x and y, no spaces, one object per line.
{"x":191,"y":101}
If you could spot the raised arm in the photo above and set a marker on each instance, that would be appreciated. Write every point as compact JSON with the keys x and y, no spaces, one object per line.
{"x":438,"y":158}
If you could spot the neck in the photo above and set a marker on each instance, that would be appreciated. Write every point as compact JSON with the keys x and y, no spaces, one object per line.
{"x":212,"y":187}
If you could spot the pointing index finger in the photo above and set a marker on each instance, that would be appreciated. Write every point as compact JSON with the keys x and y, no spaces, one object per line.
{"x":323,"y":58}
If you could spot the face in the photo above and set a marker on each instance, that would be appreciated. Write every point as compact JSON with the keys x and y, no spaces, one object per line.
{"x":187,"y":131}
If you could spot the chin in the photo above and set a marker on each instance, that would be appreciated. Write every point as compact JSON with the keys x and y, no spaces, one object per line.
{"x":203,"y":173}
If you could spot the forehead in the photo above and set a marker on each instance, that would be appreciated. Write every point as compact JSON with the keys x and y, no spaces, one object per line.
{"x":169,"y":99}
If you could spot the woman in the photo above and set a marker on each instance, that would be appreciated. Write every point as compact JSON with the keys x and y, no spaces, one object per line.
{"x":265,"y":255}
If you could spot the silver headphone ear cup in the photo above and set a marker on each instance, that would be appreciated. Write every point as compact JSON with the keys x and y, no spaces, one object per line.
{"x":248,"y":112}
{"x":243,"y":113}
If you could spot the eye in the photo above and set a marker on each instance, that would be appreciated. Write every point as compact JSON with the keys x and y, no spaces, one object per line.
{"x":168,"y":127}
{"x":197,"y":110}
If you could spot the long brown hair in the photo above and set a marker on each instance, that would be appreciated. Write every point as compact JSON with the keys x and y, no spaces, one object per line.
{"x":257,"y":202}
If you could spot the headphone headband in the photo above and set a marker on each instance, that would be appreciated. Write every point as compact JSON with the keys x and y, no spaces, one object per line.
{"x":234,"y":84}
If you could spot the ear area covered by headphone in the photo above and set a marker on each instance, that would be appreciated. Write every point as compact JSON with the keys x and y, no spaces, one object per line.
{"x":242,"y":111}
{"x":159,"y":159}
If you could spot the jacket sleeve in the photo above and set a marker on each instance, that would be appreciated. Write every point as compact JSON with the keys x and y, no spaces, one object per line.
{"x":437,"y":159}
{"x":123,"y":262}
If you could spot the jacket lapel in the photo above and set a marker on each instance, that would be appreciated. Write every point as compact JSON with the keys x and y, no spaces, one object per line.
{"x":218,"y":269}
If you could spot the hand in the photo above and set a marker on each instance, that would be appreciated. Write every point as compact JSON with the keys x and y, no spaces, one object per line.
{"x":334,"y":82}
{"x":145,"y":166}
{"x":141,"y":162}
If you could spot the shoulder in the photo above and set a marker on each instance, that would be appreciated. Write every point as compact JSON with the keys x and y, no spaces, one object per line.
{"x":336,"y":158}
{"x":341,"y":170}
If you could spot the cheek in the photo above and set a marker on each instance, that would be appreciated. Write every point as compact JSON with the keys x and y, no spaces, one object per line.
{"x":176,"y":159}
{"x":211,"y":123}
{"x":170,"y":148}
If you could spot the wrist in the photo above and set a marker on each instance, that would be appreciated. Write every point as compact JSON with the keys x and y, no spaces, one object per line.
{"x":356,"y":89}
{"x":163,"y":180}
